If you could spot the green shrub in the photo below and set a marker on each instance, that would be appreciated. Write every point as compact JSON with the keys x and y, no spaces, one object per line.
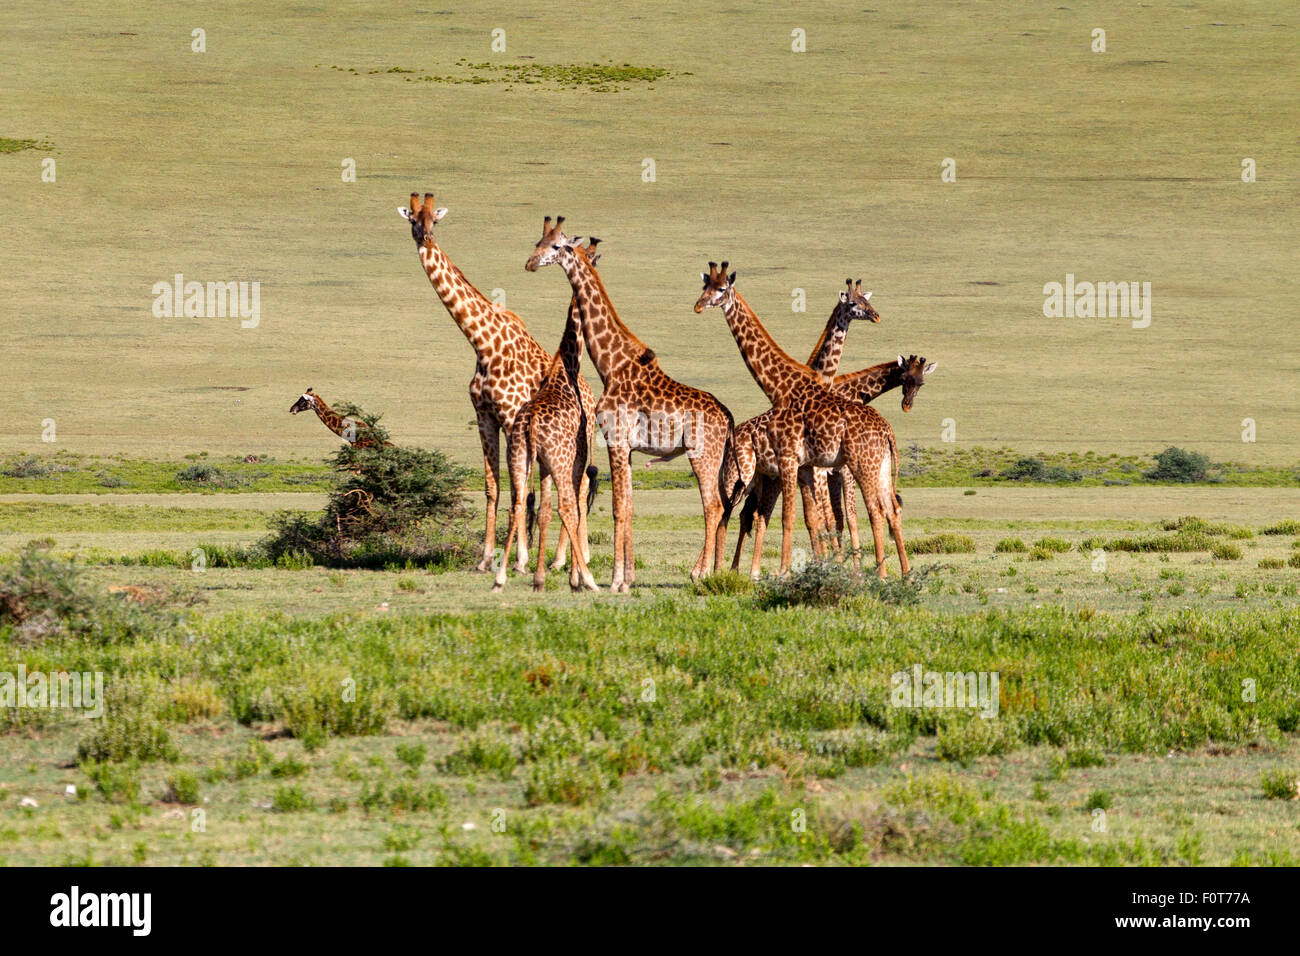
{"x":389,"y":505}
{"x":1011,"y":546}
{"x":290,"y":799}
{"x":1099,"y":800}
{"x":182,"y":787}
{"x":133,"y":735}
{"x":289,"y":767}
{"x":1271,"y":564}
{"x":943,"y":543}
{"x":1289,"y":526}
{"x":1040,"y":553}
{"x":1280,"y":785}
{"x":1036,"y":469}
{"x":1055,"y":545}
{"x":723,"y":582}
{"x":1224,"y":551}
{"x":1176,"y":465}
{"x":116,"y":783}
{"x":412,"y":755}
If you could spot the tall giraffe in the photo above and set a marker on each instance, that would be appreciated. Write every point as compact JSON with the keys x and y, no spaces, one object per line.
{"x":643,"y":410}
{"x":351,"y":430}
{"x":553,"y":429}
{"x":810,"y":425}
{"x":508,"y":362}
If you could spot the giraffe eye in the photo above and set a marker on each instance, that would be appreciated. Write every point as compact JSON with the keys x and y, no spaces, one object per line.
{"x":556,"y":246}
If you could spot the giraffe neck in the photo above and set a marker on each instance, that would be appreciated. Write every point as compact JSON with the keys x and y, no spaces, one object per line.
{"x":775,"y":372}
{"x":867,"y":383}
{"x":610,"y":343}
{"x":568,"y":360}
{"x":468,"y":307}
{"x":825,"y":358}
{"x":331,"y":419}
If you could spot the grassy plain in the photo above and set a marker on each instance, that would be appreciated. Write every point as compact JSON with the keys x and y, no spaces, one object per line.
{"x":800,"y":168}
{"x":668,"y":726}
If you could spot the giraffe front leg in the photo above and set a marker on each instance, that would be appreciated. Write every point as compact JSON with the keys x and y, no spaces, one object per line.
{"x":490,"y":439}
{"x":789,"y":468}
{"x":811,"y":510}
{"x":620,"y":472}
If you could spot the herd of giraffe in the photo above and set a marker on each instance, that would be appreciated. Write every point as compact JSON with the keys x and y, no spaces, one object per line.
{"x":820,"y":436}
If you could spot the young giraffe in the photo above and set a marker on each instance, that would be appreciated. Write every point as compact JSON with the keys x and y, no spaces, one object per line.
{"x":508,"y":368}
{"x":553,"y":429}
{"x":351,"y":430}
{"x":810,"y":425}
{"x":643,"y":410}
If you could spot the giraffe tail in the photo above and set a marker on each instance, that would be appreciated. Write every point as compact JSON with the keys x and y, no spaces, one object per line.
{"x":593,"y":484}
{"x":730,"y":463}
{"x":532,"y":515}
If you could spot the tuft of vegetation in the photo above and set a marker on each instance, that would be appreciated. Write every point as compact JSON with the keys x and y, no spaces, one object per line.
{"x":1176,"y":465}
{"x":593,"y":77}
{"x":1289,"y":526}
{"x":1038,"y":470}
{"x":1055,"y":545}
{"x":1225,"y":551}
{"x":1011,"y":546}
{"x":389,"y":506}
{"x":1280,"y":785}
{"x":726,"y":582}
{"x":943,"y":543}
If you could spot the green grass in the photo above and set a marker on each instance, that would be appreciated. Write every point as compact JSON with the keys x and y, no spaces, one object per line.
{"x":553,"y":729}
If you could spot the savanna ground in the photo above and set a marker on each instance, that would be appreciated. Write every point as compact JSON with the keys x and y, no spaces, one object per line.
{"x":1160,"y":686}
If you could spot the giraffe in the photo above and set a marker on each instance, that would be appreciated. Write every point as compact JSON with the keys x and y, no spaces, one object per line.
{"x":813,"y":483}
{"x":508,"y":362}
{"x":351,"y":430}
{"x":754,"y":449}
{"x":810,"y":425}
{"x":553,"y":429}
{"x":643,"y":410}
{"x":862,"y":386}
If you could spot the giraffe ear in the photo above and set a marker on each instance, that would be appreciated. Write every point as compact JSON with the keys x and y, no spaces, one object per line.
{"x":438,"y":214}
{"x":575,"y":241}
{"x":901,"y":361}
{"x":704,"y":277}
{"x":404,"y":212}
{"x":867,"y":297}
{"x":931,"y":367}
{"x":732,"y":279}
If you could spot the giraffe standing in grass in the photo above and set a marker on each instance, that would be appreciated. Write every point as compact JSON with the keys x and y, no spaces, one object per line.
{"x":354,"y":432}
{"x":643,"y":410}
{"x":509,"y":363}
{"x":853,"y":304}
{"x":553,"y":429}
{"x":810,"y":425}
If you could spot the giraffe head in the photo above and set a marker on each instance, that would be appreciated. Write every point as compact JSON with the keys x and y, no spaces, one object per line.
{"x":856,"y":304}
{"x":915,"y":370}
{"x":306,"y":401}
{"x":555,"y":246}
{"x":719,"y":288}
{"x":421,"y":216}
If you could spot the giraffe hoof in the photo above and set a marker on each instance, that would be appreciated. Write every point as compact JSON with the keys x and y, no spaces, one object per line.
{"x":497,"y":588}
{"x":539,"y":585}
{"x":484,"y":565}
{"x":521,"y":569}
